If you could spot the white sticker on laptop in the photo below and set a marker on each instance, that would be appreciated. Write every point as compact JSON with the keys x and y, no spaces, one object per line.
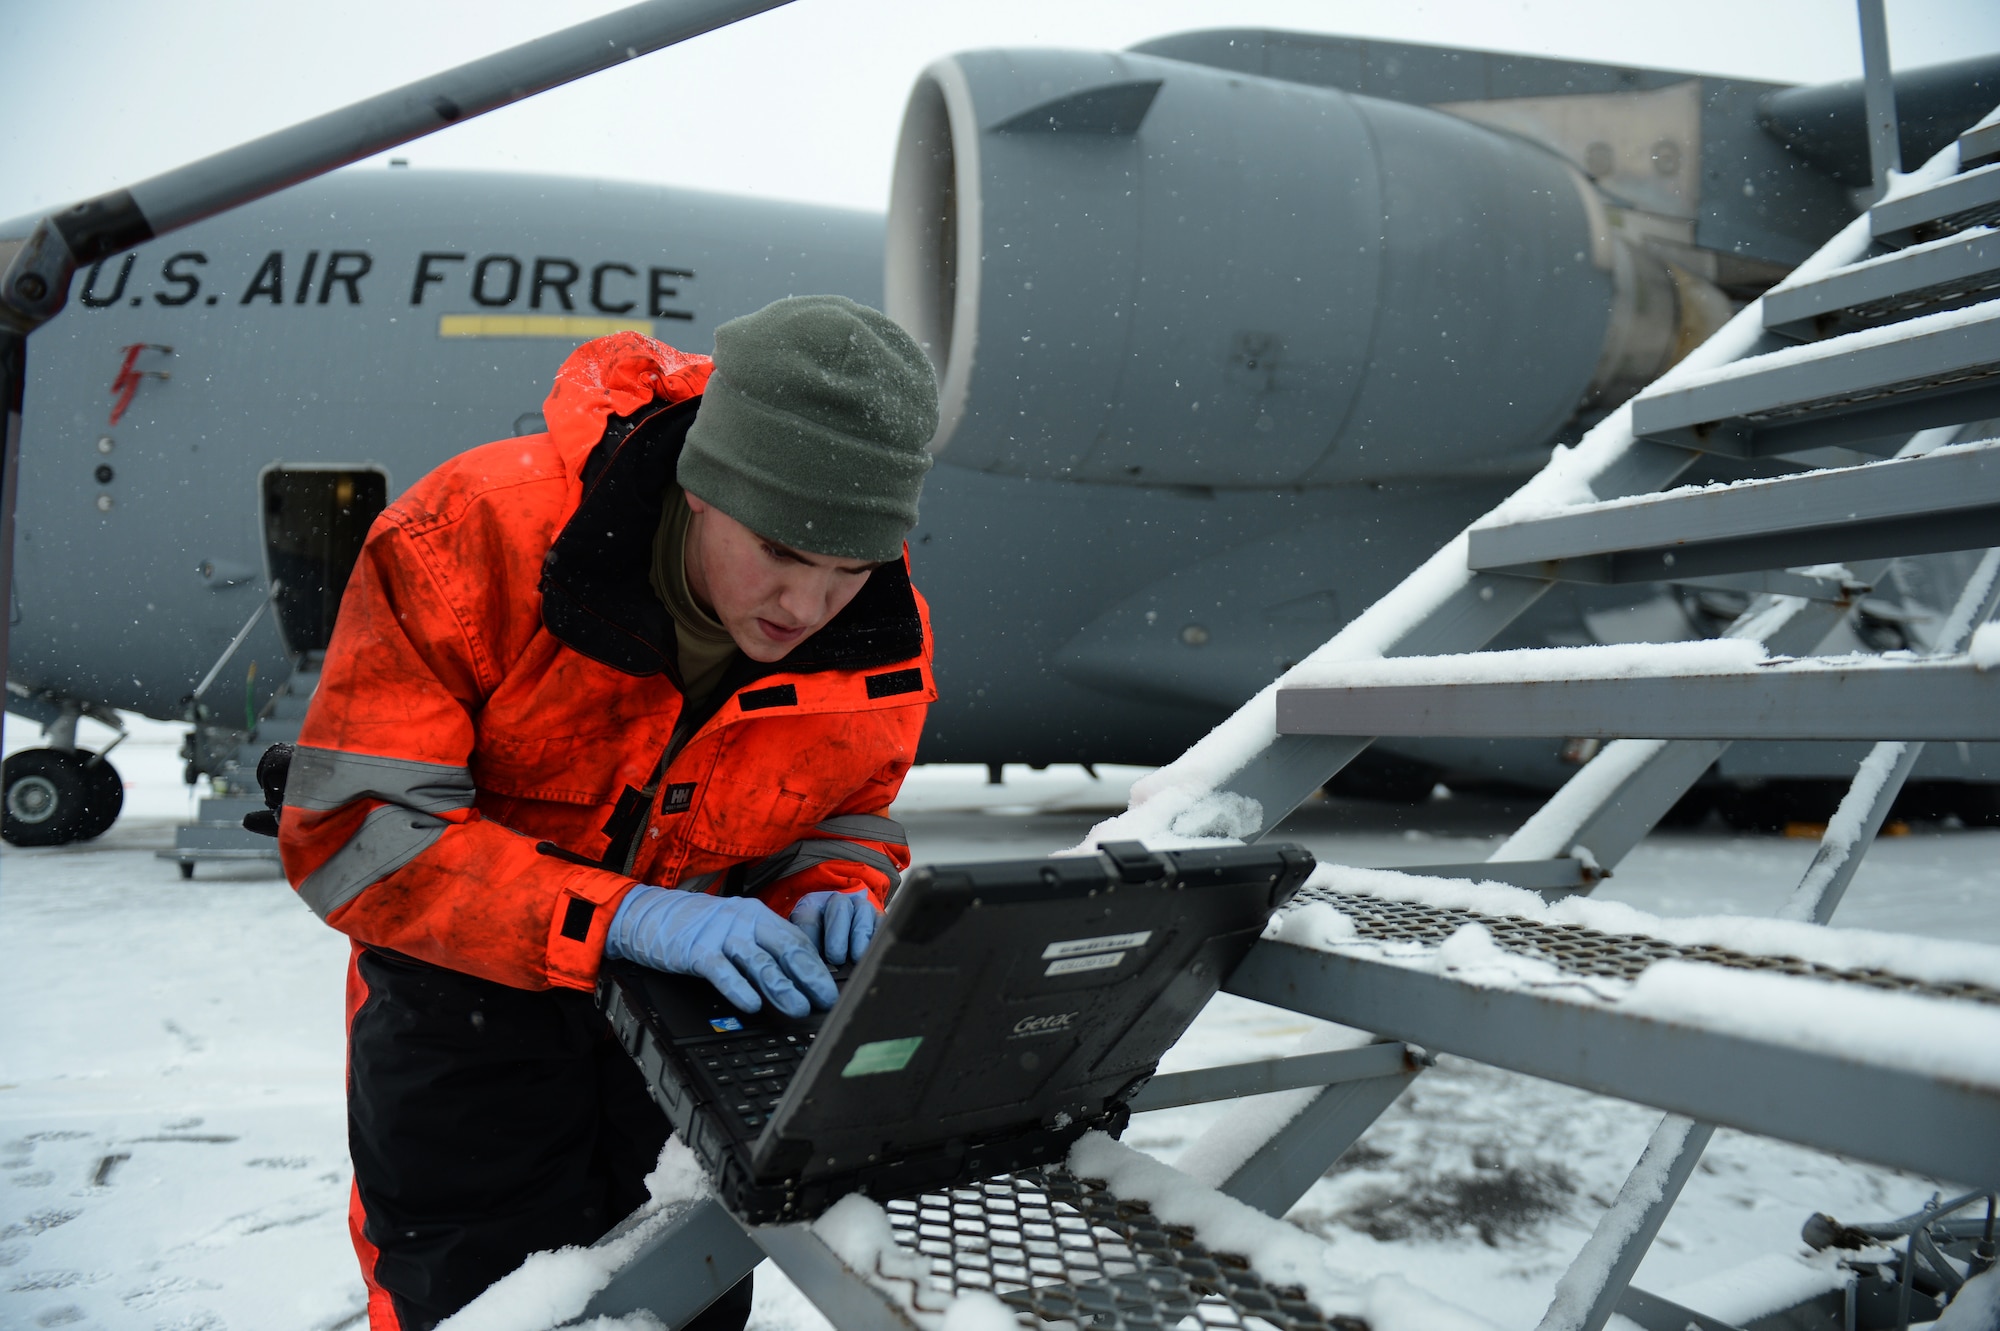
{"x":1077,"y":947}
{"x":1097,"y":961}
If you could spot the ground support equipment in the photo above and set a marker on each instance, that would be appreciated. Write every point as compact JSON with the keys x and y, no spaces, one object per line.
{"x":217,"y":835}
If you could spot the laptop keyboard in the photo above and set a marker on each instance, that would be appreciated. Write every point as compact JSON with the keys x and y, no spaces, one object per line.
{"x":750,"y":1075}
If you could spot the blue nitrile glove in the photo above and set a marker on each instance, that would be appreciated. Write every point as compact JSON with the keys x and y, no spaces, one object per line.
{"x":724,"y":940}
{"x":841,"y":923}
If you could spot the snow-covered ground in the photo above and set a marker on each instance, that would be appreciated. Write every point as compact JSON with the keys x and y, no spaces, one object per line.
{"x":172,"y":1150}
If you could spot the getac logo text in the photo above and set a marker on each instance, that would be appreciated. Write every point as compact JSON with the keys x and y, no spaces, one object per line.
{"x":1043,"y":1025}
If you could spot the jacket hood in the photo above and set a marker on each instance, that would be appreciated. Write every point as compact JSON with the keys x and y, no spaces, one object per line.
{"x":615,"y":376}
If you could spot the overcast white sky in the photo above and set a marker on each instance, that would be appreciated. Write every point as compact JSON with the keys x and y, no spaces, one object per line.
{"x":799,"y":103}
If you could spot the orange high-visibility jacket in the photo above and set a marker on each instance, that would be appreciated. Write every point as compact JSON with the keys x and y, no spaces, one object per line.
{"x":499,"y":750}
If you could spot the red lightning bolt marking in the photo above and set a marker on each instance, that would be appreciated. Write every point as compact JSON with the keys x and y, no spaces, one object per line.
{"x":127,"y":382}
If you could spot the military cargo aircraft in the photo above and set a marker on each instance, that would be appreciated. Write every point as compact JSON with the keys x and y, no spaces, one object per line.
{"x":1233,"y":329}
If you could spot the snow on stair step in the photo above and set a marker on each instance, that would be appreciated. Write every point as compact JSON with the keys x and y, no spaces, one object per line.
{"x":1979,"y":146}
{"x":1115,"y":1240}
{"x":1879,"y":1046}
{"x":1109,"y":1238}
{"x":1877,"y":384}
{"x":1721,"y":688}
{"x":1948,"y":499}
{"x":1957,"y":203}
{"x":1946,"y":274}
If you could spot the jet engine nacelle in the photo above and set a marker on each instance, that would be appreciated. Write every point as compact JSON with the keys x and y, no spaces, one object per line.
{"x":1133,"y":269}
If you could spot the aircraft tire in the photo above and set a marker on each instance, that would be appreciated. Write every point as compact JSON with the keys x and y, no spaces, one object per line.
{"x":106,"y":798}
{"x":47,"y":798}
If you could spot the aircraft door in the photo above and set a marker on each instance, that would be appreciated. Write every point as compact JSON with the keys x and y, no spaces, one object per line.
{"x":315,"y":518}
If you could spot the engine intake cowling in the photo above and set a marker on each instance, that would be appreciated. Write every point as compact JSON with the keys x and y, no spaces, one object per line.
{"x":1132,"y":269}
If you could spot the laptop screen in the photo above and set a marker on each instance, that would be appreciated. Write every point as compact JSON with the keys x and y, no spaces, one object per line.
{"x":1020,"y":998}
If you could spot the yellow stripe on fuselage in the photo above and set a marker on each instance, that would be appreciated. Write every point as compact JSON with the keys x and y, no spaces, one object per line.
{"x":573,"y":326}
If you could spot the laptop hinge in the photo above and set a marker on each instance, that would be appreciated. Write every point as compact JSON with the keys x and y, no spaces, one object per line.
{"x":1135,"y":864}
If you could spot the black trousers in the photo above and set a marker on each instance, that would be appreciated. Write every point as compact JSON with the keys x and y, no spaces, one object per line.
{"x":487,"y":1123}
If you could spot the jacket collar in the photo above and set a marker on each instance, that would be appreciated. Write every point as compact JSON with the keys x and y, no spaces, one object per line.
{"x":597,"y":594}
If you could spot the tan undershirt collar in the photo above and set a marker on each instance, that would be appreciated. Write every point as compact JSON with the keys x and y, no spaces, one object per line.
{"x":706,"y":649}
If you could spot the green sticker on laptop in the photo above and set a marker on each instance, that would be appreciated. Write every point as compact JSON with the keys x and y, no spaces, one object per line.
{"x":882,"y":1056}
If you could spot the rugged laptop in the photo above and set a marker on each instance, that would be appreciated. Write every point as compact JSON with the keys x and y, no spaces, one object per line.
{"x":1003,"y":1010}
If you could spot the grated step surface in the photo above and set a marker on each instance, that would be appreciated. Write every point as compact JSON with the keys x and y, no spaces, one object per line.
{"x":1584,"y":951}
{"x":1057,"y":1248}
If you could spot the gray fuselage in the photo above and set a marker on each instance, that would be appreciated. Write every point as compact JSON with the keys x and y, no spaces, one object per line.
{"x":1074,"y":621}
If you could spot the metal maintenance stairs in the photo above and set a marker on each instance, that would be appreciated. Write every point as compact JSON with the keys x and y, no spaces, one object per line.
{"x":1882,"y":354}
{"x":1061,"y":1245}
{"x":1924,"y":356}
{"x":217,"y":834}
{"x":1889,"y":353}
{"x":1886,"y":344}
{"x":1850,"y":383}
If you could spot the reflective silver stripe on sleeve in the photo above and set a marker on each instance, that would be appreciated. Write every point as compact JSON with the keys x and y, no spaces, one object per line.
{"x":388,"y":838}
{"x":803,"y":855}
{"x":865,"y":827}
{"x":326,"y":779}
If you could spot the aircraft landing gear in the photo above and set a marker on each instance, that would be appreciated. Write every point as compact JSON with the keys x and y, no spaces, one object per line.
{"x":53,"y":797}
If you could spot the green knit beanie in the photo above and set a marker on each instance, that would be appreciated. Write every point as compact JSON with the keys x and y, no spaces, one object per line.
{"x":814,"y":426}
